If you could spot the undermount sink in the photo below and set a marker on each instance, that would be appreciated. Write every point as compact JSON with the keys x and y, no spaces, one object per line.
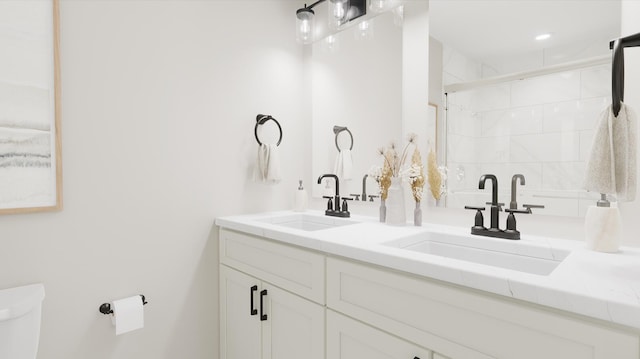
{"x":515,"y":255}
{"x":307,"y":222}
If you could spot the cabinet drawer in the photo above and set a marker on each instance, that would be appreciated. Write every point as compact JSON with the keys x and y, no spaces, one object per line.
{"x":462,"y":324}
{"x":296,"y":270}
{"x":350,"y":339}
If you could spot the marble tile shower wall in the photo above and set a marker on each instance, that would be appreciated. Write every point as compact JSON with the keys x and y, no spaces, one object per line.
{"x":541,"y":127}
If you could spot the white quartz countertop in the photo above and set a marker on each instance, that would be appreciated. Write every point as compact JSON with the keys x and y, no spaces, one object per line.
{"x":605,"y":286}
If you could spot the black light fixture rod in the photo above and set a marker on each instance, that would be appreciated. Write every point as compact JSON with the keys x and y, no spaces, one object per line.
{"x":629,"y":41}
{"x":314,"y":4}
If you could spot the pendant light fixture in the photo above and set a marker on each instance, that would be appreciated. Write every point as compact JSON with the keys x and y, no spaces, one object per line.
{"x":304,"y":25}
{"x":340,"y":12}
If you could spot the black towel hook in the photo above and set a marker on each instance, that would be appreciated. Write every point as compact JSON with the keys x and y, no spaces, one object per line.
{"x":617,"y":69}
{"x":617,"y":77}
{"x":337,"y":130}
{"x":260,"y":120}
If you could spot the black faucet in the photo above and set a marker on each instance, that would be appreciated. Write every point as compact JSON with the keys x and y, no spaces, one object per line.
{"x":495,"y":207}
{"x":494,"y":231}
{"x":364,"y":190}
{"x":514,"y":204}
{"x":335,"y":211}
{"x":364,"y":187}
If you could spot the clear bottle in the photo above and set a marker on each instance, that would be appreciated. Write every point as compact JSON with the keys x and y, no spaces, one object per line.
{"x":301,"y":199}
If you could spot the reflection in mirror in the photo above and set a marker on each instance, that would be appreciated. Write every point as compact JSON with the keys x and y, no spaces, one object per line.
{"x":432,"y":127}
{"x":373,"y":79}
{"x":515,"y":104}
{"x":356,"y":83}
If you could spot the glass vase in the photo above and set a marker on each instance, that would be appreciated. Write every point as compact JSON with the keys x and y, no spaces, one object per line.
{"x":396,"y":212}
{"x":383,"y":211}
{"x":417,"y":215}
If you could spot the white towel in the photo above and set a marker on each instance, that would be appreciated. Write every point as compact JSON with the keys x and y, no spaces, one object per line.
{"x":268,"y":164}
{"x":612,"y":163}
{"x":344,"y":165}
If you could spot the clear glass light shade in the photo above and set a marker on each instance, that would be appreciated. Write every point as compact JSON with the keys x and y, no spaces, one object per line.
{"x":398,"y":15}
{"x":338,"y":13}
{"x":331,"y":43}
{"x":378,"y":6}
{"x":304,"y":26}
{"x":364,"y":30}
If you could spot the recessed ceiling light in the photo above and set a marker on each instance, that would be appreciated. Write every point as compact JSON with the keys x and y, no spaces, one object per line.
{"x":543,"y":36}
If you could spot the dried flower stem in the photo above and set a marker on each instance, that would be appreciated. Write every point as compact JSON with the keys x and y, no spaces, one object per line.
{"x":435,"y":177}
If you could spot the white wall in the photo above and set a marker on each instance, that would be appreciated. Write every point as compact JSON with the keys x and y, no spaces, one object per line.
{"x":159,"y":102}
{"x":630,"y":25}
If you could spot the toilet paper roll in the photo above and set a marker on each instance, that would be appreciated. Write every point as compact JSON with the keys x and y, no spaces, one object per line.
{"x":128,"y":314}
{"x":603,"y":229}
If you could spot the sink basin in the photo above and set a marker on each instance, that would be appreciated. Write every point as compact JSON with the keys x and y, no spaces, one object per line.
{"x":533,"y":258}
{"x":307,"y":222}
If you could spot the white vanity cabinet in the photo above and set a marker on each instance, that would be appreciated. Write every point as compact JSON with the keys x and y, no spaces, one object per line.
{"x":324,"y":306}
{"x":461,"y":323}
{"x":259,"y":319}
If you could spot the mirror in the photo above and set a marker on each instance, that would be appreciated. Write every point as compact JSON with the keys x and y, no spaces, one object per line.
{"x":30,"y":169}
{"x":358,"y":81}
{"x":516,"y":104}
{"x":467,"y":64}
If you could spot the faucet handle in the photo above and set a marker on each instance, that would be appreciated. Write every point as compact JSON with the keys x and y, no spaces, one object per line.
{"x":475,"y":208}
{"x":533,"y":205}
{"x":345,"y":207}
{"x":372,"y":196}
{"x":329,"y":203}
{"x":529,"y":206}
{"x":478,"y":224}
{"x":510,"y":210}
{"x":357,"y":196}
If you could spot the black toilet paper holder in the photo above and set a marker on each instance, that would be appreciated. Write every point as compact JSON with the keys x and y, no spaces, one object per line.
{"x":105,"y":308}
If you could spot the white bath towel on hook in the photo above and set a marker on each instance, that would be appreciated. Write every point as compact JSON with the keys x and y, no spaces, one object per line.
{"x":267,"y":167}
{"x":612,"y":163}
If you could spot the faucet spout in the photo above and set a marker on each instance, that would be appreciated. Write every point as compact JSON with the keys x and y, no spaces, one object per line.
{"x":335,"y":178}
{"x":514,"y":204}
{"x":364,"y":187}
{"x":336,"y":203}
{"x":494,"y":187}
{"x":494,"y":200}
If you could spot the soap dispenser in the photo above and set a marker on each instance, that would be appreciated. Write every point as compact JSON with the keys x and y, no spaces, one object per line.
{"x":301,"y":198}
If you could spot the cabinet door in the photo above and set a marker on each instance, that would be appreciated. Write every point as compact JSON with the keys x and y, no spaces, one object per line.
{"x":464,"y":324}
{"x":349,"y":339}
{"x":239,"y":329}
{"x":293,"y":327}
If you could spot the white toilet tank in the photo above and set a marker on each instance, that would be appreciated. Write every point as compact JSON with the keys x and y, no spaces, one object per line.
{"x":20,"y":310}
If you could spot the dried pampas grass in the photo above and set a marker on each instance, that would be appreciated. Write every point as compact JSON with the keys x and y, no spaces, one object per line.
{"x":435,"y":177}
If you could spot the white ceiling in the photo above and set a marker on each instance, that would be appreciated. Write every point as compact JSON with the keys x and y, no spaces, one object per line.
{"x":487,"y":29}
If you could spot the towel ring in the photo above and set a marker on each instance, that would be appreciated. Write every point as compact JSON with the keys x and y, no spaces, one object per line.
{"x":260,"y":120}
{"x":337,"y":130}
